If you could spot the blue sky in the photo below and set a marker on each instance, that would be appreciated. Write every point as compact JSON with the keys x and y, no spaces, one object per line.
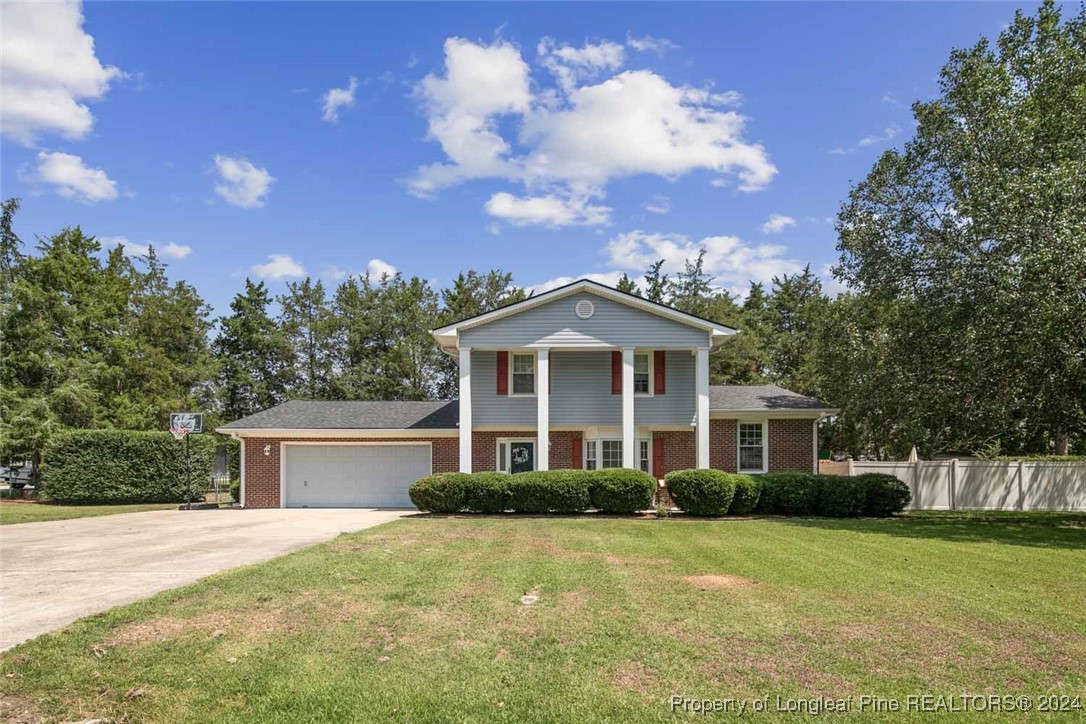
{"x":550,"y":140}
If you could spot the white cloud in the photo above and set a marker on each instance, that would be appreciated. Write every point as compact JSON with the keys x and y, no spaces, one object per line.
{"x":777,"y":223}
{"x":494,"y":228}
{"x":649,"y":44}
{"x":377,"y":268}
{"x":569,"y":142}
{"x":337,"y":98}
{"x":169,"y":250}
{"x":72,"y":179}
{"x":48,"y":66}
{"x":888,"y":134}
{"x":241,"y":183}
{"x":279,"y":267}
{"x":550,"y":211}
{"x":609,"y":278}
{"x":658,"y":204}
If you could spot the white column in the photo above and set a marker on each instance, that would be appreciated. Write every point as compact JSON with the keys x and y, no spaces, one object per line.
{"x":629,"y":455}
{"x":702,"y":386}
{"x":465,"y":409}
{"x":241,"y":451}
{"x":543,"y":409}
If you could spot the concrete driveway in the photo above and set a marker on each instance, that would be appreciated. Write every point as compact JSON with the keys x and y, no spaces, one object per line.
{"x":53,"y":573}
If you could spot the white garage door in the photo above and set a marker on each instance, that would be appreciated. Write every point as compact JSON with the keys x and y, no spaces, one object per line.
{"x":353,"y":476}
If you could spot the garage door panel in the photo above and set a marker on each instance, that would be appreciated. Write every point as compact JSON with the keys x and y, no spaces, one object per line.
{"x":342,"y":476}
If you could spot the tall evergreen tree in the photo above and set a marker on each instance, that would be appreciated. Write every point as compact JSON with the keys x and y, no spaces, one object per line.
{"x":657,"y":284}
{"x":306,"y":320}
{"x":625,"y":284}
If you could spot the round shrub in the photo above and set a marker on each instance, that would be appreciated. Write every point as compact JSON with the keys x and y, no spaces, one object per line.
{"x":788,"y":494}
{"x":885,"y":495}
{"x":747,"y":491}
{"x":441,"y":493}
{"x":487,"y":493}
{"x":839,"y":496}
{"x":621,"y":490}
{"x":549,"y":491}
{"x":701,"y":491}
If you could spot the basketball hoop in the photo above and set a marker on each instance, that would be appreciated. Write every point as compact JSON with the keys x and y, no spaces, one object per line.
{"x":179,"y":433}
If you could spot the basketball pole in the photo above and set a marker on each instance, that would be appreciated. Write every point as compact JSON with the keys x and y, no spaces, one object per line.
{"x":188,"y":474}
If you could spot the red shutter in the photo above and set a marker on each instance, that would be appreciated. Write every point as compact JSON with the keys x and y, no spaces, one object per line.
{"x":658,"y":457}
{"x":616,"y":373}
{"x":576,"y":455}
{"x":659,"y":373}
{"x":503,"y":373}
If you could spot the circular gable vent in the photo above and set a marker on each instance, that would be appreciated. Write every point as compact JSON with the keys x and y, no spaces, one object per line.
{"x":585,"y":309}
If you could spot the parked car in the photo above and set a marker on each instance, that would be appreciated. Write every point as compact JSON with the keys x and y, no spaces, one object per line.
{"x":18,"y":477}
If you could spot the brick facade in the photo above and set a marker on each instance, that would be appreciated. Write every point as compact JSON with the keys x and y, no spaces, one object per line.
{"x":484,"y":448}
{"x":791,"y":445}
{"x":680,"y":449}
{"x":723,"y":447}
{"x":262,"y":471}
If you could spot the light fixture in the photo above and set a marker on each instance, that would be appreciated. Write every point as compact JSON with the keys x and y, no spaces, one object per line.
{"x":267,"y":449}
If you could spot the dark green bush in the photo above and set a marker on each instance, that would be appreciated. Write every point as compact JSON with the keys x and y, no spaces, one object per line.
{"x":440,"y":493}
{"x":747,"y":491}
{"x":549,"y":491}
{"x":487,"y":493}
{"x":788,"y":494}
{"x":621,"y":490}
{"x":701,"y":491}
{"x":839,"y":496}
{"x":235,"y":491}
{"x":885,"y":494}
{"x":124,"y":466}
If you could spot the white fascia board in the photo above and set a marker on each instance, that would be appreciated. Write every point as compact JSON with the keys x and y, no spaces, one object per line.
{"x":391,"y":434}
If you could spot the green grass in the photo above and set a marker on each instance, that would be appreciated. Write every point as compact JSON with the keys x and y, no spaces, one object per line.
{"x":17,"y":512}
{"x":422,"y":620}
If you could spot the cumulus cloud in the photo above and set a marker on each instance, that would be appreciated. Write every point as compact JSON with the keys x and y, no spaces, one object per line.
{"x":609,"y":278}
{"x":571,"y":141}
{"x":658,"y":204}
{"x":550,"y":211}
{"x":649,"y":44}
{"x":241,"y":183}
{"x":48,"y":69}
{"x":777,"y":223}
{"x":278,"y":268}
{"x":72,"y":179}
{"x":169,"y":250}
{"x":377,"y":269}
{"x":337,"y":98}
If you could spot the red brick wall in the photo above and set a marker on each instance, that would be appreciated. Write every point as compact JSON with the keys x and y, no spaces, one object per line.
{"x":484,"y":448}
{"x":791,"y":445}
{"x":561,"y":457}
{"x":680,"y":449}
{"x":723,"y":450}
{"x":262,"y":471}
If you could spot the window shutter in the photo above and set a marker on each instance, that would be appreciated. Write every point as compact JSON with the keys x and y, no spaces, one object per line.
{"x":577,"y":454}
{"x":659,"y":373}
{"x":616,"y":373}
{"x":658,"y":457}
{"x":503,"y":373}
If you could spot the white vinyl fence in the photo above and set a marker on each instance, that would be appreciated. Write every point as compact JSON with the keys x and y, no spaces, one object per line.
{"x":987,"y":484}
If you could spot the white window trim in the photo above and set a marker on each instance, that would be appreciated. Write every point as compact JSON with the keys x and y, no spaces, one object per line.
{"x":535,"y":373}
{"x":652,"y":371}
{"x":507,"y":440}
{"x":765,"y":446}
{"x":599,"y":450}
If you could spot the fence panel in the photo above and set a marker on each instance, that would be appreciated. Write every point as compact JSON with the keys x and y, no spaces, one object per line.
{"x":1054,"y":486}
{"x":986,"y":485}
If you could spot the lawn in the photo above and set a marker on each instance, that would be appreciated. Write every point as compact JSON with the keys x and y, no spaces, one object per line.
{"x":423,"y":620}
{"x":19,"y":512}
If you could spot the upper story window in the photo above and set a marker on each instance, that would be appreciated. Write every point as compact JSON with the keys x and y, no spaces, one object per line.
{"x":752,"y":447}
{"x":522,"y":371}
{"x":642,"y":374}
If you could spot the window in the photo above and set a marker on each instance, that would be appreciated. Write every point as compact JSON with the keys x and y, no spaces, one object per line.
{"x":642,"y":374}
{"x":516,"y":455}
{"x":523,"y":372}
{"x":643,"y":455}
{"x":611,"y":453}
{"x":590,"y":455}
{"x":751,"y":447}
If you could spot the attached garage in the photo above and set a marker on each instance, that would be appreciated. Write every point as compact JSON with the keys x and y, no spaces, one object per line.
{"x":352,"y":475}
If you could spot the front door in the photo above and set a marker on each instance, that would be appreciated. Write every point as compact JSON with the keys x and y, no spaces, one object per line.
{"x":521,"y":457}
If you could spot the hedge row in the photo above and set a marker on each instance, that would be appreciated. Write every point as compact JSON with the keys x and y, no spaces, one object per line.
{"x":124,"y":466}
{"x":615,"y":490}
{"x":832,"y":496}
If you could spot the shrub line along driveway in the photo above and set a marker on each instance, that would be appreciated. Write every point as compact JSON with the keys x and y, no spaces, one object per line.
{"x":52,"y":573}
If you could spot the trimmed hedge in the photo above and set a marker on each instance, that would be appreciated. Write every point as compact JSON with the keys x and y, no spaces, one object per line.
{"x":701,"y":491}
{"x":549,"y":491}
{"x":747,"y":491}
{"x":788,"y":494}
{"x":885,"y":494}
{"x":621,"y":490}
{"x":839,"y":496}
{"x":487,"y":493}
{"x":104,"y":467}
{"x":440,"y":493}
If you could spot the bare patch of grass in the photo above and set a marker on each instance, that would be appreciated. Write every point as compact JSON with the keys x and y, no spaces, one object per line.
{"x":712,"y":581}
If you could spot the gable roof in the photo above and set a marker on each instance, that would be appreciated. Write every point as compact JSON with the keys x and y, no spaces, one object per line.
{"x":352,"y":415}
{"x":446,"y":336}
{"x":761,"y":398}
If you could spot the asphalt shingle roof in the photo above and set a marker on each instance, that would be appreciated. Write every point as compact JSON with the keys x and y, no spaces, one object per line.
{"x":757,"y":398}
{"x":352,"y":415}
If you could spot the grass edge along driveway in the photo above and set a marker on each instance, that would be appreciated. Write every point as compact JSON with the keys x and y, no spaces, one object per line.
{"x":425,"y":619}
{"x":16,"y":512}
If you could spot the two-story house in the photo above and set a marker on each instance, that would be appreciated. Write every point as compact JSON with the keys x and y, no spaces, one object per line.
{"x":583,"y":376}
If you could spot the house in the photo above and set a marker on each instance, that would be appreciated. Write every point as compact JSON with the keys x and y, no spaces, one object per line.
{"x":583,"y":376}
